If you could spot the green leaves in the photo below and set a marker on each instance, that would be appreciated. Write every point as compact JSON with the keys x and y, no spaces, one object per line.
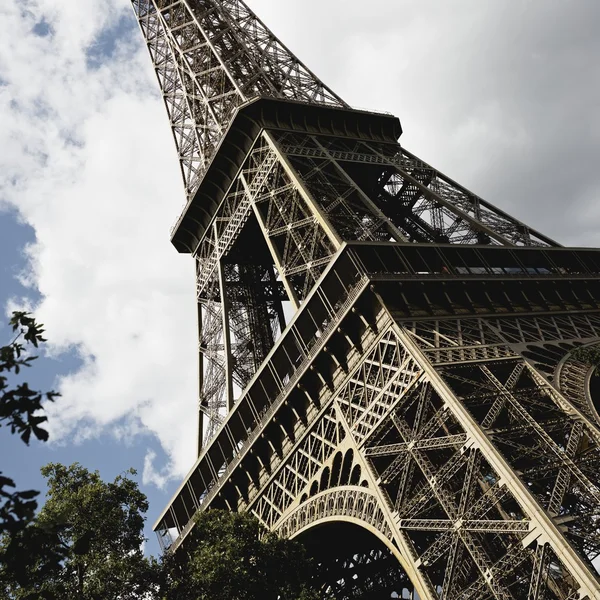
{"x":589,"y":355}
{"x":85,"y":543}
{"x":16,"y":508}
{"x":31,"y":330}
{"x":232,"y":556}
{"x":19,"y":404}
{"x":20,"y":408}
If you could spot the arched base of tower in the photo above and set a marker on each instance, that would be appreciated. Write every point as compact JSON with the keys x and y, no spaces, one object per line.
{"x":354,"y":564}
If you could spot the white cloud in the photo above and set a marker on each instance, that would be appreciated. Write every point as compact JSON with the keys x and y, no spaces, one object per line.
{"x":499,"y":96}
{"x":100,"y":186}
{"x":151,"y":475}
{"x":504,"y":104}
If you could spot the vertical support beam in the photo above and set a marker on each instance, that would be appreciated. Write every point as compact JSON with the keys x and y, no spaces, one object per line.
{"x":226,"y":336}
{"x":200,"y":383}
{"x":274,"y":253}
{"x":277,"y":305}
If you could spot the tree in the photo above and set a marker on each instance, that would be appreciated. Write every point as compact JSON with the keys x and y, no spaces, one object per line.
{"x":85,"y":543}
{"x":19,"y":409}
{"x":231,"y":556}
{"x":589,"y":355}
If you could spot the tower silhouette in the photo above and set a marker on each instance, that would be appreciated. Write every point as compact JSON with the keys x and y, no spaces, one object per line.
{"x":389,"y":365}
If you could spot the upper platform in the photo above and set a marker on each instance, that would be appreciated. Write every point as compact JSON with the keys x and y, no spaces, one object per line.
{"x":250,"y":120}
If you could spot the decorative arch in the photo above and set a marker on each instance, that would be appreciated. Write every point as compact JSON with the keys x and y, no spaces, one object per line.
{"x":353,"y":504}
{"x":574,"y":379}
{"x":556,"y":361}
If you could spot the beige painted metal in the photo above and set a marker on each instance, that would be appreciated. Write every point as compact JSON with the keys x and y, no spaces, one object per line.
{"x":545,"y":529}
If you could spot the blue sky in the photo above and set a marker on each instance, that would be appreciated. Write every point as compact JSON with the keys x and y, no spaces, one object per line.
{"x":503,"y":99}
{"x":102,"y":453}
{"x":121,"y":441}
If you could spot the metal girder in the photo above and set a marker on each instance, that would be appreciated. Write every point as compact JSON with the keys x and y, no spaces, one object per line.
{"x":378,"y":345}
{"x":210,"y":57}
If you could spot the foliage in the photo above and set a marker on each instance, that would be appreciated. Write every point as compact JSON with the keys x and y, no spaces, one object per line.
{"x":590,"y":355}
{"x":230,"y":556}
{"x":33,"y":550}
{"x":84,"y":544}
{"x":19,"y":410}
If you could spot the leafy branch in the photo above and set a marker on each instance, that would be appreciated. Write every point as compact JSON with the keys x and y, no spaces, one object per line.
{"x":20,"y":409}
{"x":589,"y":355}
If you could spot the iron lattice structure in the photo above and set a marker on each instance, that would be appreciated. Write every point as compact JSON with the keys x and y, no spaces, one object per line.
{"x":387,"y":365}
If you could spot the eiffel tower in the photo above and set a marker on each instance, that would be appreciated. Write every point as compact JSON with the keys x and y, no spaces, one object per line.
{"x":388,"y":364}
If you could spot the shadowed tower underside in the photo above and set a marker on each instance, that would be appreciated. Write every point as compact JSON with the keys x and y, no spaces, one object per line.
{"x":387,"y":366}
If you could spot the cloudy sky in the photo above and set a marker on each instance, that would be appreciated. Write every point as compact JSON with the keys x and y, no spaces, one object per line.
{"x":503,"y":96}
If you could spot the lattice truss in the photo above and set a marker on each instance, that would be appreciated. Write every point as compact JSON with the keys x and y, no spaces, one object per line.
{"x":210,"y":57}
{"x":419,"y":203}
{"x":307,"y":194}
{"x":235,"y":335}
{"x":468,"y":446}
{"x":267,"y":246}
{"x":370,"y":573}
{"x":302,"y":201}
{"x":458,"y":450}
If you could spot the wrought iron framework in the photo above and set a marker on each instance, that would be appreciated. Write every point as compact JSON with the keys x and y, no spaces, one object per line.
{"x":381,"y":350}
